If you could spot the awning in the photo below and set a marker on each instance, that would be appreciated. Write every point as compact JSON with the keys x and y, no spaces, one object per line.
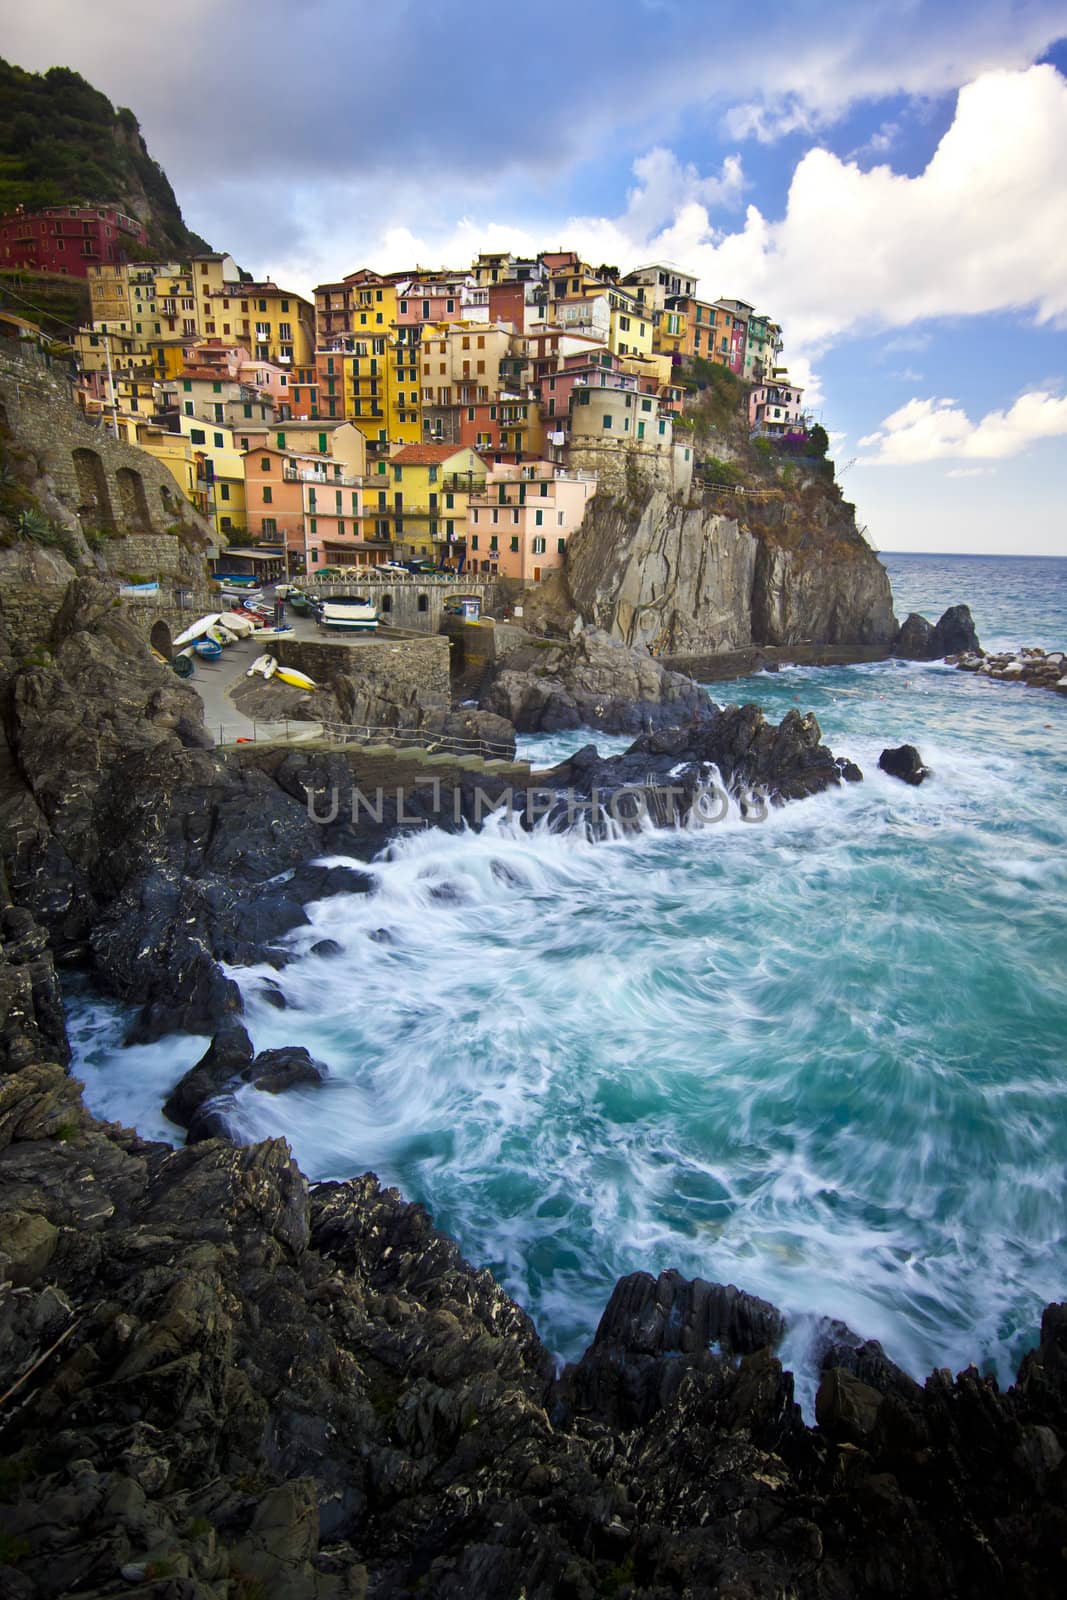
{"x":242,"y":553}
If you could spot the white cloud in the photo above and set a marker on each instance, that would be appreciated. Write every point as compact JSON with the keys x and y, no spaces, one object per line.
{"x":932,"y":430}
{"x":971,"y":472}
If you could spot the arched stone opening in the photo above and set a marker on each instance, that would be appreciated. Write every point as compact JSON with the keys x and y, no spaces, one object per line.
{"x":385,"y":603}
{"x":160,"y":639}
{"x":94,"y":502}
{"x":132,"y":500}
{"x":424,"y":602}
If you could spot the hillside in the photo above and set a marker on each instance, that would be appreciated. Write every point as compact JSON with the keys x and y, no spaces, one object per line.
{"x":62,"y":141}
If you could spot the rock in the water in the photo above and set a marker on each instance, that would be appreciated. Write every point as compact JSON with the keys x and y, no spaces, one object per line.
{"x":915,"y":641}
{"x":225,"y":1059}
{"x":274,"y":1071}
{"x":955,"y":632}
{"x":905,"y":763}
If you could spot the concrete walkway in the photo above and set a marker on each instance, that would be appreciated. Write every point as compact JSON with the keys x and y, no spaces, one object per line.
{"x":214,"y":680}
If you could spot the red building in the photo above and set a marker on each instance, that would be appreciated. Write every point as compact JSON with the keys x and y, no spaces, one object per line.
{"x":68,"y":239}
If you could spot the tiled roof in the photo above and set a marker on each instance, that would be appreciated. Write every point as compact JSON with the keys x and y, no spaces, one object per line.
{"x":426,"y":455}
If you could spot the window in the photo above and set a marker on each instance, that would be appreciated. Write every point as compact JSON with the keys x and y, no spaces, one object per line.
{"x":474,"y":538}
{"x":189,"y":408}
{"x":264,"y":465}
{"x":186,"y":385}
{"x":270,"y":525}
{"x":539,"y":547}
{"x":268,"y":494}
{"x":561,"y":546}
{"x":539,"y":518}
{"x":219,"y":441}
{"x":515,"y":517}
{"x":607,"y":420}
{"x":197,"y":436}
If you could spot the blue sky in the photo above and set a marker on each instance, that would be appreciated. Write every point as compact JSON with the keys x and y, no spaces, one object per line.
{"x":886,"y":179}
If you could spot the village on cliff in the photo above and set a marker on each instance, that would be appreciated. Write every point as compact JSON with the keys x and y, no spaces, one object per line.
{"x":463,"y":418}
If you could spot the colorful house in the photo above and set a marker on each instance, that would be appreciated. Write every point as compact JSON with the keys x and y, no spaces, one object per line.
{"x":775,"y":407}
{"x":520,"y":524}
{"x":421,"y":503}
{"x":68,"y":240}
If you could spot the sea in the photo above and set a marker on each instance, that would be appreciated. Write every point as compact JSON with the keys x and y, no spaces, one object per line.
{"x":822,"y":1057}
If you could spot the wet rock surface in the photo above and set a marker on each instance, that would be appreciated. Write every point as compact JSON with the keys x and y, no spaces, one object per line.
{"x":1032,"y":666}
{"x":904,"y":762}
{"x":920,"y":640}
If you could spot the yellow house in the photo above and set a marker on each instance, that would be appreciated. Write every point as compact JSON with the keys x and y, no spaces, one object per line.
{"x":421,"y":500}
{"x":274,"y":324}
{"x":631,"y":325}
{"x":220,"y":476}
{"x":171,"y":450}
{"x":340,"y":440}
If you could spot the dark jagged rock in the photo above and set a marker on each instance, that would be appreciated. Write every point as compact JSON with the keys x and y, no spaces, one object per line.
{"x":915,"y":641}
{"x":955,"y":632}
{"x":919,"y":640}
{"x":672,"y":776}
{"x":274,"y":1071}
{"x":904,"y":762}
{"x":227,"y":1056}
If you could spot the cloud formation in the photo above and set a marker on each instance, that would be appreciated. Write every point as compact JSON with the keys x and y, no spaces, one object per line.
{"x":933,"y":430}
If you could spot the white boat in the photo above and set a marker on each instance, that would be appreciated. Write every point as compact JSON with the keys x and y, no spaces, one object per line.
{"x":353,"y":613}
{"x":196,"y":630}
{"x":221,"y":635}
{"x":262,"y":667}
{"x":241,"y":626}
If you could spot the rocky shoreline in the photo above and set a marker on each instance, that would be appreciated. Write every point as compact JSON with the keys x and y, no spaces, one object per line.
{"x":1038,"y":669}
{"x":220,"y":1383}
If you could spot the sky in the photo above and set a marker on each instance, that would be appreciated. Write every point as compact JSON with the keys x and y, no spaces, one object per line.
{"x":887,"y":180}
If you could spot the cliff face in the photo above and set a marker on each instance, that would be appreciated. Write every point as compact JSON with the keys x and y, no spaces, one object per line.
{"x":777,"y":567}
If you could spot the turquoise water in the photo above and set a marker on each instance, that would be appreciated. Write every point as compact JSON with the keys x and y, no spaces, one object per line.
{"x":822,"y":1057}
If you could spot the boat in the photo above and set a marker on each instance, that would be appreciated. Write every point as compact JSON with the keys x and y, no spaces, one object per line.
{"x":221,"y":635}
{"x":290,"y":675}
{"x":183,"y":666}
{"x":267,"y":667}
{"x":280,"y":630}
{"x":353,"y":613}
{"x":237,"y":622}
{"x":300,"y":603}
{"x":197,"y":629}
{"x":208,"y":649}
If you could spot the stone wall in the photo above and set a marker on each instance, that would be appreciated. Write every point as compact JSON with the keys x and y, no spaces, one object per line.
{"x":397,"y":670}
{"x":123,"y":500}
{"x":622,"y":466}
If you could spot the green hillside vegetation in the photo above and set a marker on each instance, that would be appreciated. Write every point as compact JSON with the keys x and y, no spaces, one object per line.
{"x":62,"y":142}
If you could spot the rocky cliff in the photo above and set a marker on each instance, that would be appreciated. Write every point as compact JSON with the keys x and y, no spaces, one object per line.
{"x":730,"y":570}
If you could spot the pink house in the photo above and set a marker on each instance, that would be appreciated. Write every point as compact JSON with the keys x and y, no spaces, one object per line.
{"x":775,"y":407}
{"x":520,"y":526}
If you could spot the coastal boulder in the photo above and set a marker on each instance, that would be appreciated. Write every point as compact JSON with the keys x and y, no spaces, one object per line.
{"x":905,"y":763}
{"x":593,"y":681}
{"x":274,"y":1071}
{"x":915,"y":641}
{"x":955,"y":632}
{"x":227,"y":1056}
